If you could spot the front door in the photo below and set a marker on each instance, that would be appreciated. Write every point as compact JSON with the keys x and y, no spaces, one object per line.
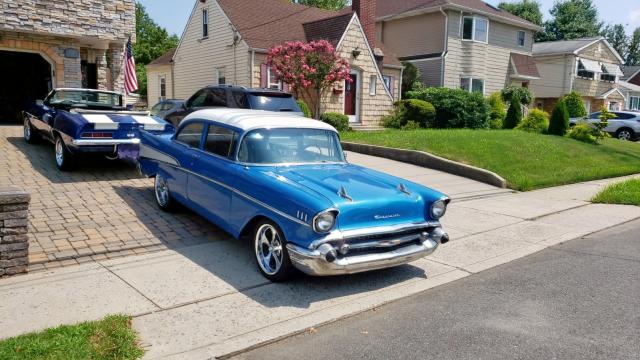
{"x":350,"y":98}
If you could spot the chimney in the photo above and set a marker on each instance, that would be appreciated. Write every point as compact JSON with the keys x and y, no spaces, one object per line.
{"x":366,"y":10}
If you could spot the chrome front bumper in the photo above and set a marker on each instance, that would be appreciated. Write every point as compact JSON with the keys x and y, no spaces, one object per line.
{"x":104,"y":142}
{"x":314,"y":262}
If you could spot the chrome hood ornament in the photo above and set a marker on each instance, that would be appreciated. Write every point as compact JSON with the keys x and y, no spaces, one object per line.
{"x":343,"y":194}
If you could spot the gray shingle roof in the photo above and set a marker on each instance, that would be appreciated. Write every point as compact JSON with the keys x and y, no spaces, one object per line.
{"x":562,"y":46}
{"x":629,"y":70}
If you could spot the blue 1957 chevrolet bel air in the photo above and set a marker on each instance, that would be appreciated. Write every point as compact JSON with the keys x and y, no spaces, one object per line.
{"x":284,"y":182}
{"x":81,"y":121}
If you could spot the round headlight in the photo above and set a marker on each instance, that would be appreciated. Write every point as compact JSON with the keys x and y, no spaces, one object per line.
{"x":438,"y":209}
{"x":324,"y":222}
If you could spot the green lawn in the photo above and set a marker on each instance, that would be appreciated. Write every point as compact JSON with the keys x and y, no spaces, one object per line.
{"x":625,"y":193}
{"x":526,"y":160}
{"x":111,"y":338}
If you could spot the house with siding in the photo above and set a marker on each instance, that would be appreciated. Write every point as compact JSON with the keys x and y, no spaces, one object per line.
{"x":630,"y":86}
{"x":226,"y":42}
{"x":589,"y":66}
{"x":46,"y":44}
{"x":466,"y":44}
{"x":160,"y":82}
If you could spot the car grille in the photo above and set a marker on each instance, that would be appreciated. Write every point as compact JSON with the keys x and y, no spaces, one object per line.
{"x":381,"y":243}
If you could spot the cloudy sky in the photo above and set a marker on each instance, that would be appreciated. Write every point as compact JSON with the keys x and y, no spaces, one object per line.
{"x":173,"y":14}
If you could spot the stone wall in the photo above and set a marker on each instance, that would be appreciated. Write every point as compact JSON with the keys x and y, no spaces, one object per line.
{"x":103,"y":19}
{"x":14,"y":241}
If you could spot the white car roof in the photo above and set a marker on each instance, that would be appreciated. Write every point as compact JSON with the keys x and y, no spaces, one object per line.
{"x":258,"y":119}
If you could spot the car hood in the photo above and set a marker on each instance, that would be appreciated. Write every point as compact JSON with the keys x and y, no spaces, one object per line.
{"x":364,"y":197}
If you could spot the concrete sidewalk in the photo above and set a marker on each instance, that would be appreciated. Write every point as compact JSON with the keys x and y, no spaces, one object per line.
{"x":209,"y":300}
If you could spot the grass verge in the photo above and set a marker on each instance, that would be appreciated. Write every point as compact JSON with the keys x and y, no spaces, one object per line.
{"x":526,"y":160}
{"x":625,"y":193}
{"x":110,"y":338}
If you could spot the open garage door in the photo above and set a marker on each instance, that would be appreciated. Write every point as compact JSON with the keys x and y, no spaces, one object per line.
{"x":25,"y":77}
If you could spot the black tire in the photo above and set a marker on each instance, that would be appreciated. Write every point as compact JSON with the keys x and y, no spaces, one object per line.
{"x":162,"y":194}
{"x":625,"y":134}
{"x":64,"y":159}
{"x":30,"y":134}
{"x":277,"y":265}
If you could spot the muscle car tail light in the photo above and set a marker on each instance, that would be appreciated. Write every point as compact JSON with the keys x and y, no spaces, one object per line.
{"x":97,"y":135}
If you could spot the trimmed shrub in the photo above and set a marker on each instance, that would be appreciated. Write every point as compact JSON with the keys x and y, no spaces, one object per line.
{"x":411,"y":125}
{"x":305,"y":109}
{"x":392,"y":121}
{"x":418,"y":111}
{"x":523,"y":94}
{"x":514,"y":115}
{"x":537,"y":121}
{"x":337,"y":120}
{"x":559,"y":119}
{"x":582,"y":132}
{"x":410,"y":78}
{"x":455,"y":108}
{"x":575,"y":106}
{"x":498,"y":111}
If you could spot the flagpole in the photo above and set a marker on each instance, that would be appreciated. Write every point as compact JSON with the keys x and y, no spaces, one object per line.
{"x":124,"y":73}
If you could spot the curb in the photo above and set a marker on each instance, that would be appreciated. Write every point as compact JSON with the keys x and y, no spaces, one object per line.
{"x":427,"y":160}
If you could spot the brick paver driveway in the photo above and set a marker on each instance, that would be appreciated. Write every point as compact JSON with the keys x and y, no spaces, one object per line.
{"x":100,"y":210}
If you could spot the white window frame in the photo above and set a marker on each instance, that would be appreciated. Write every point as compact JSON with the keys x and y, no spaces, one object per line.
{"x":632,"y":100}
{"x":387,"y":82}
{"x":162,"y":81}
{"x":470,"y":87}
{"x":221,"y":70}
{"x":473,"y":29}
{"x":373,"y":85}
{"x":273,"y":85}
{"x":205,"y":23}
{"x":524,"y":38}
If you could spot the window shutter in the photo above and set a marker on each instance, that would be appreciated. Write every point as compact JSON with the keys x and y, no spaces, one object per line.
{"x":392,"y":87}
{"x":263,"y":75}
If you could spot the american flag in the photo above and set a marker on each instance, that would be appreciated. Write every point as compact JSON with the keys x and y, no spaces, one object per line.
{"x":130,"y":79}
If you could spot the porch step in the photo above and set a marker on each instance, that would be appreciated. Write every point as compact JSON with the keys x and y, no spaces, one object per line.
{"x":366,"y":127}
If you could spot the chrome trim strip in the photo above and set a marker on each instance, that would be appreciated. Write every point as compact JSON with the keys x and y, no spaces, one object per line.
{"x":385,"y":243}
{"x":149,"y":152}
{"x":248,"y":197}
{"x":105,"y":142}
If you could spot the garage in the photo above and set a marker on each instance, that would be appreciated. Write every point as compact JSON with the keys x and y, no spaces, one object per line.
{"x":26,"y":76}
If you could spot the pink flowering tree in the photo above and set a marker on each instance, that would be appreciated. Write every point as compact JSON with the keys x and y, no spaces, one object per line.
{"x":309,"y":69}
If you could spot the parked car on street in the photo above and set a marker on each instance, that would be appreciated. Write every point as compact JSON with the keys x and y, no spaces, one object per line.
{"x":286,"y":184}
{"x":240,"y":97}
{"x":166,"y":107}
{"x":87,"y":121}
{"x":625,"y":126}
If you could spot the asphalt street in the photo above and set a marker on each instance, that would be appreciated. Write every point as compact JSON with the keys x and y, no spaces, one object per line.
{"x":576,"y":300}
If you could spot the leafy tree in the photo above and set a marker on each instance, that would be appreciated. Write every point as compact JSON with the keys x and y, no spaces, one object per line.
{"x":309,"y":69}
{"x":323,"y":4}
{"x":575,"y":106}
{"x":617,"y":37}
{"x":152,"y":41}
{"x":604,"y":117}
{"x":526,"y":9}
{"x":514,"y":114}
{"x":572,"y":19}
{"x":523,"y":94}
{"x":498,"y":111}
{"x":633,"y":53}
{"x":410,"y":78}
{"x":559,"y":119}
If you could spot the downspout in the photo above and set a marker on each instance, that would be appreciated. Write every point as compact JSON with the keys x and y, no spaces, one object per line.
{"x":173,"y":81}
{"x":253,"y":64}
{"x":446,"y":45}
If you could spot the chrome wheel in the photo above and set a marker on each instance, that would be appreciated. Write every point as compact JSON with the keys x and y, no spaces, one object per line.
{"x":625,"y":134}
{"x":269,"y":249}
{"x":27,"y":129}
{"x":162,"y":192}
{"x":59,"y":152}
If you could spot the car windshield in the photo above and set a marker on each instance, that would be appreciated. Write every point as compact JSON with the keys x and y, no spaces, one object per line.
{"x":86,"y":98}
{"x":290,"y":146}
{"x":273,"y":102}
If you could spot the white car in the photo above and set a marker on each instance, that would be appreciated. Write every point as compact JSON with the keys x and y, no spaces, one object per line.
{"x":625,"y":126}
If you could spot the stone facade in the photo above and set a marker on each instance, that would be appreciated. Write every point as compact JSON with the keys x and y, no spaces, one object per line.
{"x":70,"y":33}
{"x":14,"y":241}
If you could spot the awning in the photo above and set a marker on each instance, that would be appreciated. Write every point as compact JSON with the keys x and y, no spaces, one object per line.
{"x":613,"y":69}
{"x":523,"y":67}
{"x":591,"y":65}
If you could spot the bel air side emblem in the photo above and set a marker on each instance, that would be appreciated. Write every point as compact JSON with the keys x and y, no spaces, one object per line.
{"x":382,"y":217}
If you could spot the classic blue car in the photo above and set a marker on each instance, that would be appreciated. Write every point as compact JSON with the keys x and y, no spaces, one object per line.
{"x":284,"y":182}
{"x":80,"y":121}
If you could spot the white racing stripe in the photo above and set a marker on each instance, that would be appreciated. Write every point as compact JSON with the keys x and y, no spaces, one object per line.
{"x":148,"y":122}
{"x":101,"y":122}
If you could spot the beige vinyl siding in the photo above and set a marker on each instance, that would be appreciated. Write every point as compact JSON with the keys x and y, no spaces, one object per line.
{"x":488,"y":61}
{"x":430,"y":71}
{"x":599,"y":52}
{"x":556,"y":73}
{"x":592,"y":87}
{"x":197,"y":59}
{"x":153,"y":83}
{"x":416,"y":35}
